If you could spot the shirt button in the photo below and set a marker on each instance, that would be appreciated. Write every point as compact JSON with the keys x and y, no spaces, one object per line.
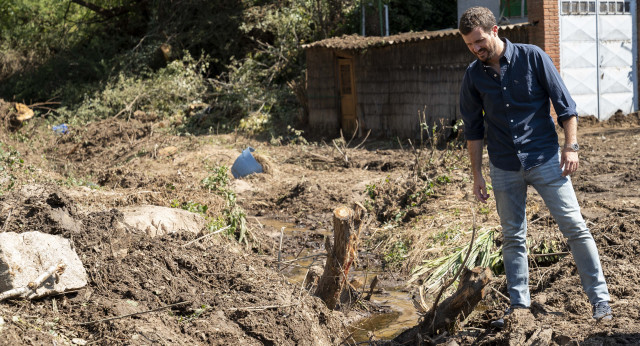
{"x":495,"y":75}
{"x":518,"y":151}
{"x":511,"y":120}
{"x":507,"y":105}
{"x":504,"y":88}
{"x":515,"y":136}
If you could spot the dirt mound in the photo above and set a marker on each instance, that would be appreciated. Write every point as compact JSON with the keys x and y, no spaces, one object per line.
{"x":208,"y":292}
{"x":619,"y":119}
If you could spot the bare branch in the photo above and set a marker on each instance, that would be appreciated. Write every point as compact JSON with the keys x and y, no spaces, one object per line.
{"x":29,"y":290}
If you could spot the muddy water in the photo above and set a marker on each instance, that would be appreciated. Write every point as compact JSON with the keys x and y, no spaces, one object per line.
{"x":383,"y":326}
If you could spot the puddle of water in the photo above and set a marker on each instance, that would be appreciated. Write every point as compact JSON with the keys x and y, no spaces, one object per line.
{"x":290,"y":228}
{"x":387,"y":326}
{"x":383,"y":326}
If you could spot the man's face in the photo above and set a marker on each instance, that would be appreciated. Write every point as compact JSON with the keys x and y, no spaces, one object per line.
{"x":483,"y":44}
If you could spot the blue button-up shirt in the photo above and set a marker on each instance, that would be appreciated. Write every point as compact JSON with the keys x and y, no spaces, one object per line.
{"x":515,"y":106}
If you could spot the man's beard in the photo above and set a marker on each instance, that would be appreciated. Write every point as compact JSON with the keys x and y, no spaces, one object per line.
{"x":490,"y":53}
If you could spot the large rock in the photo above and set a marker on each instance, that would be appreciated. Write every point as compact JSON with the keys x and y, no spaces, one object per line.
{"x":25,"y":256}
{"x":156,"y":221}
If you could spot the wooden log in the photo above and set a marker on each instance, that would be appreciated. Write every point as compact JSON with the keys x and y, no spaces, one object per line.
{"x":340,"y":256}
{"x":453,"y":310}
{"x":460,"y":304}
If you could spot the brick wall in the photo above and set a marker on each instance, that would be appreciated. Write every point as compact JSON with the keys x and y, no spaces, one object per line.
{"x":545,"y":33}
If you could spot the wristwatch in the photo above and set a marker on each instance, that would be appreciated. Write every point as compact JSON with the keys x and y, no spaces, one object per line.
{"x":573,"y":146}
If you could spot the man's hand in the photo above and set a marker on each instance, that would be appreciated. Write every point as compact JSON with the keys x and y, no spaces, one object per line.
{"x":569,"y":157}
{"x":480,"y":189}
{"x":569,"y":162}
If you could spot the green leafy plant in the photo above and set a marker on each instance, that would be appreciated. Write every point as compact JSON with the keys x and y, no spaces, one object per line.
{"x":443,"y":179}
{"x":75,"y":181}
{"x":291,"y":136}
{"x":166,"y":93}
{"x":447,"y":236}
{"x":194,"y":207}
{"x":233,"y":215}
{"x":10,"y":162}
{"x":371,"y":190}
{"x":397,"y":253}
{"x":483,"y":210}
{"x":218,"y":181}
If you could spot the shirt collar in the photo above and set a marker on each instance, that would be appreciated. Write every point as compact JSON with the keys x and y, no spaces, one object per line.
{"x":508,"y":52}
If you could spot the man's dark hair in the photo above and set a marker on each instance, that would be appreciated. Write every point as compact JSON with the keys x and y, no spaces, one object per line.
{"x":476,"y":17}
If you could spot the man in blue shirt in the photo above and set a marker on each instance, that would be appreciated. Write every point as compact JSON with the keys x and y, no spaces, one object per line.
{"x":509,"y":87}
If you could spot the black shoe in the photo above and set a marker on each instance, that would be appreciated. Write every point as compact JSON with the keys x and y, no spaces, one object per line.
{"x":499,"y":323}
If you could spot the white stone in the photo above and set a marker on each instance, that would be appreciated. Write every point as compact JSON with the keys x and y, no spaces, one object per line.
{"x":157,"y":221}
{"x":25,"y":256}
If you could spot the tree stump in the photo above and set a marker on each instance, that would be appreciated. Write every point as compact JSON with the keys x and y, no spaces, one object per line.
{"x":452,"y":310}
{"x":340,"y":255}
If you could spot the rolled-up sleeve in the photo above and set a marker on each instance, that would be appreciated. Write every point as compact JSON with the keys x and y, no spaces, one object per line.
{"x":550,"y":79}
{"x":471,"y":109}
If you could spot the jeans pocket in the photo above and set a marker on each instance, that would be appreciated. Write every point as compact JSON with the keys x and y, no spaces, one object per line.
{"x":550,"y":172}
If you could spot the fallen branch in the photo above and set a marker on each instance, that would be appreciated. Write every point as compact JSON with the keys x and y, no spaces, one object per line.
{"x":372,"y":286}
{"x":280,"y":247}
{"x":364,"y":140}
{"x":128,"y":107}
{"x":453,"y":279}
{"x":302,"y":258}
{"x":550,"y":254}
{"x":206,"y":235}
{"x":133,"y":314}
{"x":502,"y":295}
{"x":29,"y":291}
{"x":322,"y":157}
{"x":6,"y":221}
{"x":259,"y":308}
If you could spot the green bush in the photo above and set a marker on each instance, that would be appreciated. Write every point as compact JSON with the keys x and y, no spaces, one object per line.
{"x":167,"y":92}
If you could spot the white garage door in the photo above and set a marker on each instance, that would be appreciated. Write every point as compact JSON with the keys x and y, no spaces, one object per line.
{"x":597,"y":50}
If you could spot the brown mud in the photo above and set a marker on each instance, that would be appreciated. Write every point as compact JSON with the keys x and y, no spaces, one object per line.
{"x":217,"y":291}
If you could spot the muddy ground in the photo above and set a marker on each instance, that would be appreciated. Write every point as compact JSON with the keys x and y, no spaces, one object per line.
{"x":226,"y":293}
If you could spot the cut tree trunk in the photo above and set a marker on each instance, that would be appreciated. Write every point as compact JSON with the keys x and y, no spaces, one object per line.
{"x":452,"y":310}
{"x":340,"y":255}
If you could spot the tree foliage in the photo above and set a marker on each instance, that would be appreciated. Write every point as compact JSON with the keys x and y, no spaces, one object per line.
{"x":417,"y":15}
{"x":74,"y":50}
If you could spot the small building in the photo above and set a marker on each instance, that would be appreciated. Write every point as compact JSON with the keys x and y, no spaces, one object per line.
{"x":390,"y":85}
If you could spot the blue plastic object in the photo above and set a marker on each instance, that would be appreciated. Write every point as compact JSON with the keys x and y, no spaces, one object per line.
{"x":245,"y":164}
{"x":61,"y":129}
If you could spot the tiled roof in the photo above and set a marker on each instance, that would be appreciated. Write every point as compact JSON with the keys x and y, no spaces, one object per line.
{"x":357,"y":42}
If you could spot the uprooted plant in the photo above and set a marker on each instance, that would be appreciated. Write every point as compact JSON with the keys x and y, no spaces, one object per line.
{"x":343,"y":146}
{"x":441,"y":139}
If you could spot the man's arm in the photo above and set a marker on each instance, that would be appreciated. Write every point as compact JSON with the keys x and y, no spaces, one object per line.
{"x":569,"y":158}
{"x":475,"y":155}
{"x":549,"y":78}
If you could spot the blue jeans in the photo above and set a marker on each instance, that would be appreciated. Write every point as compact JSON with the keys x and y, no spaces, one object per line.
{"x":510,"y":190}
